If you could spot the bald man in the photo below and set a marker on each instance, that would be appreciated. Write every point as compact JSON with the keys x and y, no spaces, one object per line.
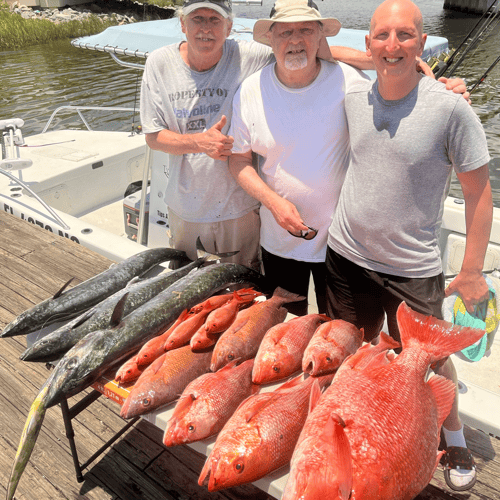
{"x":407,"y":135}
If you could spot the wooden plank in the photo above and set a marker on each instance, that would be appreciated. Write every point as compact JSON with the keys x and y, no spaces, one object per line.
{"x":137,"y":465}
{"x":127,"y":481}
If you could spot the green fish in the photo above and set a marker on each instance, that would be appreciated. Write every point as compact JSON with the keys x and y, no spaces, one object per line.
{"x":28,"y":439}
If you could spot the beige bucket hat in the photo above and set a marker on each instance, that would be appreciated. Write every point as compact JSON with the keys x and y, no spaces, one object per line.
{"x":296,"y":11}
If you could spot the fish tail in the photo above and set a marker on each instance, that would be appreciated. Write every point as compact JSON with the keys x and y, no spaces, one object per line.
{"x":287,"y":296}
{"x":437,"y":337}
{"x":210,"y":257}
{"x":28,"y":439}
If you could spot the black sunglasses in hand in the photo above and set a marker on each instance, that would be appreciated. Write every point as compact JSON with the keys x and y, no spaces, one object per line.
{"x":309,"y":234}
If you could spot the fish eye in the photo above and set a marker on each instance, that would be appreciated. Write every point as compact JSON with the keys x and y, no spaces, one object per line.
{"x":191,"y":428}
{"x":239,"y":466}
{"x":276,"y":368}
{"x":230,"y":357}
{"x":146,"y":401}
{"x":72,"y":363}
{"x":328,"y":359}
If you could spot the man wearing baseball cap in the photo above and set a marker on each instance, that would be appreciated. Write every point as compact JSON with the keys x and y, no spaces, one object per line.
{"x":186,"y":98}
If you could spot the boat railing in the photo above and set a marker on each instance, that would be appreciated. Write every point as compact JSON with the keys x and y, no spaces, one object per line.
{"x":79,"y":110}
{"x":10,"y":159}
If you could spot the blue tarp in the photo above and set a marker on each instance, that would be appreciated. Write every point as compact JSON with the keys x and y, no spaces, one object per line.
{"x":140,"y":39}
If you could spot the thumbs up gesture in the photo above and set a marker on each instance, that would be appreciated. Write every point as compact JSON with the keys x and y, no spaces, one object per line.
{"x":214,"y":143}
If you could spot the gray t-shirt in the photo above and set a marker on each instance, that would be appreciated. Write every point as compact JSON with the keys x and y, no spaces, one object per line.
{"x":402,"y":153}
{"x":180,"y":99}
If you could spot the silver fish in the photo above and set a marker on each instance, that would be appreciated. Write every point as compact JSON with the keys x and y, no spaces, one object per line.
{"x":71,"y":303}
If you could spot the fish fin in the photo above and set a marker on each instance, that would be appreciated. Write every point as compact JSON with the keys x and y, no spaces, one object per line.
{"x":315,"y":395}
{"x":117,"y":315}
{"x":287,"y":296}
{"x":323,"y":318}
{"x":255,"y":389}
{"x":335,"y":436}
{"x":184,"y":403}
{"x":293,"y":382}
{"x":372,"y":362}
{"x":82,"y":318}
{"x":156,"y":364}
{"x":444,"y":392}
{"x":59,"y":293}
{"x":210,"y":257}
{"x":386,"y":341}
{"x":229,"y":366}
{"x":133,"y":281}
{"x":28,"y":439}
{"x":257,"y":407}
{"x":437,"y":337}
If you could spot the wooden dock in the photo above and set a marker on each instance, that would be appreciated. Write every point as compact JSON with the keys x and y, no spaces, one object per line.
{"x":34,"y":264}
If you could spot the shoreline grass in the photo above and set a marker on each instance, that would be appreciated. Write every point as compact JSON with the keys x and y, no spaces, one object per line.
{"x":17,"y":32}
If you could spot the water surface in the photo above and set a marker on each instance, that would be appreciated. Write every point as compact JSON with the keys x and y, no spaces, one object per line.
{"x":37,"y":80}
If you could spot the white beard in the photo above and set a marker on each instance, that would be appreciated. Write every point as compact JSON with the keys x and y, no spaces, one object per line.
{"x":295,"y":62}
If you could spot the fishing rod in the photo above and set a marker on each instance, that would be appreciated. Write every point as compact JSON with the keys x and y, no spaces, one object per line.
{"x":481,"y":80}
{"x":475,"y":41}
{"x":442,"y":66}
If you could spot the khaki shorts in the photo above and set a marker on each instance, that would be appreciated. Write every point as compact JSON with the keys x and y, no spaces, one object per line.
{"x":241,"y":234}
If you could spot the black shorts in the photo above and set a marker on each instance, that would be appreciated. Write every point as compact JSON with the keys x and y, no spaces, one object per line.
{"x":294,"y":275}
{"x":363,"y":297}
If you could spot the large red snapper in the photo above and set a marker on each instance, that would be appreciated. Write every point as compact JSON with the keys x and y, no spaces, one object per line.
{"x":260,"y":436}
{"x":389,"y":414}
{"x":243,"y":337}
{"x":282,"y":348}
{"x":164,"y":380}
{"x":208,"y":402}
{"x":330,"y":345}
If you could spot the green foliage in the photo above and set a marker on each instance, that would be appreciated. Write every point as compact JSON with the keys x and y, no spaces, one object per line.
{"x":161,"y":3}
{"x":16,"y":32}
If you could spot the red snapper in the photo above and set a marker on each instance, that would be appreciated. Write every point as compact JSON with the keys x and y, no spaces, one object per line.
{"x":374,"y":434}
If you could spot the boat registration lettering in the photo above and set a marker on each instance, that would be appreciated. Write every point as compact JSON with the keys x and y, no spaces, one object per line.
{"x":43,"y":225}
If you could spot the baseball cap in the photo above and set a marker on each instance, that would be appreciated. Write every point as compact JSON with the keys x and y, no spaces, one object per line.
{"x":223,"y":7}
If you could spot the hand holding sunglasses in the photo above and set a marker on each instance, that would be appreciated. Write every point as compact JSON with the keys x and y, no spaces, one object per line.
{"x":308,"y":234}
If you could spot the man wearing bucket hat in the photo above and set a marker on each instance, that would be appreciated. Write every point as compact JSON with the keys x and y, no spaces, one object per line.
{"x":186,"y":98}
{"x":291,"y":114}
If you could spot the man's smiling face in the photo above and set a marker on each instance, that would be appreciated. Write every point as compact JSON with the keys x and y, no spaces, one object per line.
{"x":206,"y":31}
{"x":395,"y":40}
